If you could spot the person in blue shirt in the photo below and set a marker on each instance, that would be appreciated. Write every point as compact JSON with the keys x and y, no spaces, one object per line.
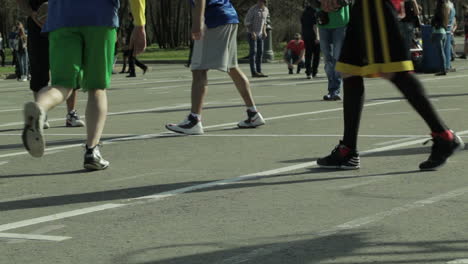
{"x":82,"y":38}
{"x":215,"y":47}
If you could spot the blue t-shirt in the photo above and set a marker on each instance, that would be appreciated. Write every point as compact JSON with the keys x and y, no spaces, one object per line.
{"x":219,"y":12}
{"x":80,"y":13}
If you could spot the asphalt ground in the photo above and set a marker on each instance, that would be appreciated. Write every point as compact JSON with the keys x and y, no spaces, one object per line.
{"x":231,"y":195}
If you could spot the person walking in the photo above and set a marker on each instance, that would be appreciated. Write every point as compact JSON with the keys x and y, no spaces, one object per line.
{"x":214,"y":30}
{"x":409,"y":22}
{"x":294,"y":54}
{"x":465,"y":28}
{"x":132,"y":60}
{"x":332,"y":29}
{"x":256,"y":22}
{"x":311,"y":40}
{"x":449,"y":32}
{"x":22,"y":52}
{"x":80,"y":42}
{"x":374,"y":47}
{"x":38,"y":54}
{"x":2,"y":51}
{"x":439,"y":35}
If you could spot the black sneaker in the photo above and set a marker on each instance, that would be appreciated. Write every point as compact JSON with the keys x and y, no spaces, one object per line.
{"x":93,"y":159}
{"x":341,"y":157}
{"x":330,"y":97}
{"x":290,"y":70}
{"x":442,"y":149}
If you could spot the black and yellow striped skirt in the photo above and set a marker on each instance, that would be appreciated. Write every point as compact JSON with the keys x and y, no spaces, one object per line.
{"x":373,"y":42}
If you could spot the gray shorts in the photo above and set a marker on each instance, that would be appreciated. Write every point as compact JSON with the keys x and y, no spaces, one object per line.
{"x":217,"y":50}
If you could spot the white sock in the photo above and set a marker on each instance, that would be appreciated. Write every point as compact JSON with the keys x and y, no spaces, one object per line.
{"x":252,"y":109}
{"x":196,"y":116}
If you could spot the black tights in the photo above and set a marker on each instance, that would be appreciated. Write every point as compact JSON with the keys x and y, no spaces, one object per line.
{"x":409,"y":86}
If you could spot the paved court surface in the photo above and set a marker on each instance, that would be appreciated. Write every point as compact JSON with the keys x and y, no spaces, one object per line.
{"x":235,"y":196}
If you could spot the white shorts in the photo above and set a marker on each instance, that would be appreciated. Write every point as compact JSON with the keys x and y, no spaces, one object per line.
{"x":217,"y":50}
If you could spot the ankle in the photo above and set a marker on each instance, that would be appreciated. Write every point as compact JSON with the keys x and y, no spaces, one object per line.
{"x":445,"y":135}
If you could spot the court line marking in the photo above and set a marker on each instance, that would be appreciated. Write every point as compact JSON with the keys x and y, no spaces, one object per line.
{"x":353,"y":224}
{"x":33,"y":237}
{"x":396,"y":140}
{"x":458,"y":261}
{"x":3,"y":162}
{"x":167,"y":194}
{"x":58,"y":216}
{"x":40,"y":231}
{"x":149,"y":136}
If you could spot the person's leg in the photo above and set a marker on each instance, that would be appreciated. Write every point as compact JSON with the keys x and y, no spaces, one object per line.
{"x":353,"y":103}
{"x":439,"y":44}
{"x":465,"y":48}
{"x":141,"y":65}
{"x":316,"y":59}
{"x":259,"y":58}
{"x":309,"y":49}
{"x":131,"y":64}
{"x":243,"y":86}
{"x":2,"y":55}
{"x":49,"y":97}
{"x":326,"y":48}
{"x":338,"y":39}
{"x":199,"y":89}
{"x":448,"y":51}
{"x":96,"y":114}
{"x":71,"y":101}
{"x":252,"y":54}
{"x":414,"y":92}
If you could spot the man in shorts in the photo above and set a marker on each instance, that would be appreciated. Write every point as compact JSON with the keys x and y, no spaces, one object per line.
{"x":215,"y":48}
{"x":82,"y":38}
{"x":38,"y":52}
{"x":374,"y":46}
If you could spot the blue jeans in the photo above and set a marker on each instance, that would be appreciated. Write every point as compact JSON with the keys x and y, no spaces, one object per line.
{"x":256,"y":53}
{"x":448,"y":51}
{"x":23,"y":62}
{"x":439,"y":41}
{"x":331,"y":41}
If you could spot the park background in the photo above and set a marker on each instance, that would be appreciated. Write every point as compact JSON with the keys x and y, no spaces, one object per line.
{"x":168,"y":24}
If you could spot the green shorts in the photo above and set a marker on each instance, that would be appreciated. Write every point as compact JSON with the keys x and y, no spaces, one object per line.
{"x":82,"y":57}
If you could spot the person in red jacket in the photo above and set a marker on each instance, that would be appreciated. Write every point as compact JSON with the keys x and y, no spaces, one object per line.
{"x":294,"y":53}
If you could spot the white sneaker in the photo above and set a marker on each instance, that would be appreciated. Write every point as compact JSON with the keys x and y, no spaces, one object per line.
{"x":190,"y":126}
{"x":254,"y":119}
{"x":73,"y":120}
{"x":33,"y":134}
{"x":93,"y":159}
{"x":46,"y":124}
{"x":24,"y":78}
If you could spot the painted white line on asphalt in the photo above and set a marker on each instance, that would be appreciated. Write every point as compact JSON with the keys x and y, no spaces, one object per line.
{"x":394,"y":141}
{"x":72,"y":134}
{"x":401,"y":113}
{"x":325,"y":118}
{"x":11,"y":110}
{"x":171,"y":193}
{"x":33,"y":237}
{"x":353,"y":224}
{"x":458,"y":261}
{"x":3,"y":162}
{"x":59,"y":216}
{"x":40,"y":231}
{"x":49,"y":149}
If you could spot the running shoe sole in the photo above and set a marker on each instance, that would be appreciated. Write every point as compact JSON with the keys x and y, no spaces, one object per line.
{"x":93,"y":167}
{"x":175,"y":128}
{"x":33,"y":135}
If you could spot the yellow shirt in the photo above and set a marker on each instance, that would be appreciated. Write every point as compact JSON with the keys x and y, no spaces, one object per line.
{"x":138,"y":11}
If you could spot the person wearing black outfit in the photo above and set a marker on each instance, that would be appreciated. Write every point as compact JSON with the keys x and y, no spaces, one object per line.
{"x":132,"y":60}
{"x":311,"y":40}
{"x":38,"y":52}
{"x":2,"y":53}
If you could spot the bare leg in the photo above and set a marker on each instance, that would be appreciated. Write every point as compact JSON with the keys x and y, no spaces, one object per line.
{"x":243,"y":85}
{"x":199,"y":88}
{"x":71,"y":101}
{"x":96,"y":113}
{"x":49,"y":97}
